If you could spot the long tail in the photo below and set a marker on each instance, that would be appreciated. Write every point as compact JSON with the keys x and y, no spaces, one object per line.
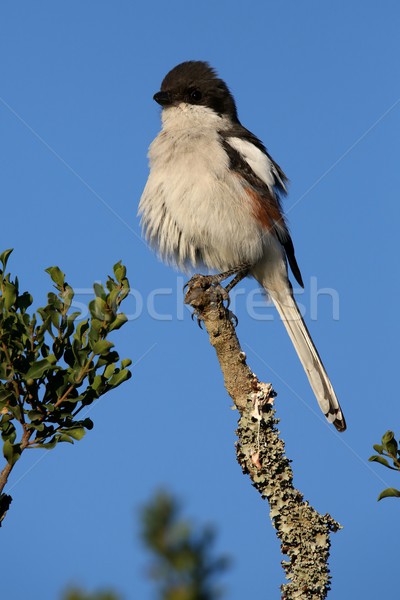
{"x":309,"y":357}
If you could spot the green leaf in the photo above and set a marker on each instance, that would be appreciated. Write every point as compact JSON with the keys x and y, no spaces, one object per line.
{"x":390,"y":444}
{"x":4,"y":420}
{"x":107,"y":359}
{"x":98,"y":308}
{"x":119,"y":320}
{"x":57,"y":275}
{"x":75,"y":377}
{"x":35,"y":415}
{"x":97,"y":382}
{"x":73,"y":316}
{"x":392,"y":448}
{"x":36,"y":427}
{"x":99,"y":291}
{"x":58,"y":348}
{"x":63,"y":437}
{"x":113,"y":301}
{"x":48,"y":445}
{"x":102,"y":347}
{"x":67,"y":296}
{"x":119,"y":378}
{"x":79,"y":354}
{"x":8,"y":431}
{"x":9,"y":295}
{"x":54,"y":303}
{"x":109,"y":370}
{"x":111,"y":284}
{"x":16,"y":412}
{"x":119,"y":271}
{"x":55,"y":318}
{"x":126,"y":362}
{"x":76,"y":433}
{"x":378,"y":448}
{"x":39,"y":368}
{"x":24,"y":301}
{"x":389,"y":493}
{"x":81,"y":329}
{"x":11,"y":452}
{"x":94,"y":331}
{"x":6,"y":395}
{"x":88,"y":423}
{"x":4,"y":257}
{"x":387,"y":437}
{"x":380,"y":460}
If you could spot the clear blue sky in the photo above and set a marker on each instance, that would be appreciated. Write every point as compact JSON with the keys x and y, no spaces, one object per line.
{"x":319,"y":83}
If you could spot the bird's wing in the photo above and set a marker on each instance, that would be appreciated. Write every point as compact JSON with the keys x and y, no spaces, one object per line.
{"x":264,"y":182}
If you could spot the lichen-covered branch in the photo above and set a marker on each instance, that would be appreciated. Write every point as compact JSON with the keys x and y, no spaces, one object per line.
{"x":304,"y":533}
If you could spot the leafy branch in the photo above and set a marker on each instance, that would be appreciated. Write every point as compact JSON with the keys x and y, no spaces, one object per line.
{"x":388,"y":449}
{"x":183,"y":566}
{"x":51,"y":367}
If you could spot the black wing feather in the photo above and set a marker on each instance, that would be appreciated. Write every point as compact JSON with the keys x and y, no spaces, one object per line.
{"x":238,"y":163}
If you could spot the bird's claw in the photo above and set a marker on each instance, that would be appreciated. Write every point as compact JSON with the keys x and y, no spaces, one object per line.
{"x":206,"y":282}
{"x":200,"y":319}
{"x":211,"y":283}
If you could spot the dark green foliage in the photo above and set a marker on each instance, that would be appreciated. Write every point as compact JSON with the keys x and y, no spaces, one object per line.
{"x":5,"y":502}
{"x":51,"y":366}
{"x":388,"y":449}
{"x":183,"y":566}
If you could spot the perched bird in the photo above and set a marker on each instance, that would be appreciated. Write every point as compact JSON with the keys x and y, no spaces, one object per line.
{"x":212,"y":200}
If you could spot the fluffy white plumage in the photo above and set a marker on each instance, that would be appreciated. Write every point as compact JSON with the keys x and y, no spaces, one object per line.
{"x":190,"y":192}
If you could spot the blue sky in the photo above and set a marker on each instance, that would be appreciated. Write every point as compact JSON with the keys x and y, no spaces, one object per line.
{"x":318,"y":83}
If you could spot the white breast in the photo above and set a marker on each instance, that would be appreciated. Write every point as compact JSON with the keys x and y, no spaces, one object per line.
{"x":194,"y":211}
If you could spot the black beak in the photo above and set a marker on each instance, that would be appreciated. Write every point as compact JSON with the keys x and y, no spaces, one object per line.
{"x":163,"y":98}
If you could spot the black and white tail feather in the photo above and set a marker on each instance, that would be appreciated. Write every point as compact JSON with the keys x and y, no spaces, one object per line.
{"x":309,"y":357}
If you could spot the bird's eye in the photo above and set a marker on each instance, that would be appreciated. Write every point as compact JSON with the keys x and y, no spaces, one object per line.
{"x":195,"y":95}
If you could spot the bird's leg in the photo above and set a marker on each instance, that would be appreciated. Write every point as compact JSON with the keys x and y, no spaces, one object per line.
{"x":237,"y":279}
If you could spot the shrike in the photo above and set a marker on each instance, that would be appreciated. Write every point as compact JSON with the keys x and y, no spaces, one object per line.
{"x":212,"y":200}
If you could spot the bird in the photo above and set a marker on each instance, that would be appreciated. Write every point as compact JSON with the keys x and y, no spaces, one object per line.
{"x":213,"y":200}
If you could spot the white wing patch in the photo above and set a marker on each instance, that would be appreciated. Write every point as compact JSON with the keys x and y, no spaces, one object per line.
{"x":259,"y":162}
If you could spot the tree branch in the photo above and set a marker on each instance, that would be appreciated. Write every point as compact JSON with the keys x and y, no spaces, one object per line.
{"x":4,"y":475}
{"x":303,"y":532}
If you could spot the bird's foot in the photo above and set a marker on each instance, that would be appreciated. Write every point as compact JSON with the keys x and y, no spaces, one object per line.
{"x":201,"y":283}
{"x":209,"y":284}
